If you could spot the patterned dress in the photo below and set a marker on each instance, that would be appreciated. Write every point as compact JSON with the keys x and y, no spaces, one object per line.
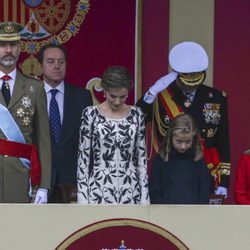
{"x":112,"y":164}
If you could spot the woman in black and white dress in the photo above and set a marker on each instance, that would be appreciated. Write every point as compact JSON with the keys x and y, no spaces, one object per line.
{"x":112,"y":164}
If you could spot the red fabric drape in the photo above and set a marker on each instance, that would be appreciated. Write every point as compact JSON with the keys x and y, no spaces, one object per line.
{"x":28,"y":151}
{"x":96,"y":34}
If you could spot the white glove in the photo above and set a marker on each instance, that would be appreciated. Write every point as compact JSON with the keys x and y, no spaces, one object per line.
{"x":41,"y":196}
{"x":221,"y":191}
{"x":159,"y":85}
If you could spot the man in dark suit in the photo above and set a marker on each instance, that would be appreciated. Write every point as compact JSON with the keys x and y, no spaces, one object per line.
{"x":182,"y":91}
{"x":24,"y":119}
{"x":65,"y":105}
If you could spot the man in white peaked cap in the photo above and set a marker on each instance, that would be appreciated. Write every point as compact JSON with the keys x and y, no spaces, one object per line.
{"x":182,"y":91}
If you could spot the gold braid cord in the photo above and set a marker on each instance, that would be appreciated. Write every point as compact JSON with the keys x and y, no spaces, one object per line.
{"x":156,"y":114}
{"x":156,"y":122}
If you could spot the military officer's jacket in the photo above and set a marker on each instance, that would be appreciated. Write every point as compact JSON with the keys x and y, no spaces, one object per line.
{"x":208,"y":108}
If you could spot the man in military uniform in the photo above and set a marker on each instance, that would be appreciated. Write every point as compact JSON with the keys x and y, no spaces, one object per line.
{"x":182,"y":91}
{"x":24,"y":119}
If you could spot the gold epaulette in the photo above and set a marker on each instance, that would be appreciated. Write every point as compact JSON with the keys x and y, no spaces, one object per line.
{"x":225,"y":168}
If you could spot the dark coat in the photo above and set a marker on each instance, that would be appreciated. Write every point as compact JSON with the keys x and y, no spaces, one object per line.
{"x":64,"y":153}
{"x":181,"y":180}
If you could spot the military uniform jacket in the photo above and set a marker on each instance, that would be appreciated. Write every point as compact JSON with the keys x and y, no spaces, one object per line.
{"x":209,"y":109}
{"x":28,"y":108}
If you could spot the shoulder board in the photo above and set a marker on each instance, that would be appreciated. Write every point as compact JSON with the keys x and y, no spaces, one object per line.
{"x":33,"y":77}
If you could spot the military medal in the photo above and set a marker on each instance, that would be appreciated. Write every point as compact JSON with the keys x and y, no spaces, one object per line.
{"x":167,"y":120}
{"x":189,"y":98}
{"x":25,"y":111}
{"x":7,"y":86}
{"x":211,"y":112}
{"x":187,"y":103}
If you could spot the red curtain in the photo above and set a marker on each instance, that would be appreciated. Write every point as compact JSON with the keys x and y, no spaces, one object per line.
{"x":96,"y":34}
{"x":231,"y":67}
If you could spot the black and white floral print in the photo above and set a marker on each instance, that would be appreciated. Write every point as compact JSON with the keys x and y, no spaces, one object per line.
{"x":112,"y":165}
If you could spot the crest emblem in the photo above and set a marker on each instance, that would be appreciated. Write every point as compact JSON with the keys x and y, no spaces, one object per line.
{"x":57,"y":17}
{"x":32,"y":3}
{"x":9,"y":28}
{"x":50,"y":22}
{"x":53,"y":21}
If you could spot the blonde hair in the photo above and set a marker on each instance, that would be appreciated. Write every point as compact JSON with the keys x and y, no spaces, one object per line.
{"x":184,"y":124}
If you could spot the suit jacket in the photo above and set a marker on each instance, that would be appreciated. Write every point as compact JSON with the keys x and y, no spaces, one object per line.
{"x":64,"y":153}
{"x":28,"y":108}
{"x":209,"y":109}
{"x":242,"y":183}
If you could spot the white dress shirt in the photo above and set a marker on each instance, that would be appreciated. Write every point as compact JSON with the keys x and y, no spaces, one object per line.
{"x":190,"y":96}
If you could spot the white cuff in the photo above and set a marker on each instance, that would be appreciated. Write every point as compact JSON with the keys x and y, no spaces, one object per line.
{"x":149,"y":97}
{"x":221,"y":191}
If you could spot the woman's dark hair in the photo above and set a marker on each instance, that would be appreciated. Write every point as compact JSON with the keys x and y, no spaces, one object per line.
{"x":116,"y":77}
{"x":185,"y":124}
{"x":49,"y":46}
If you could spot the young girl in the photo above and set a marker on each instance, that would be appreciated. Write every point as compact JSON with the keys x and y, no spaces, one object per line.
{"x":179,"y":174}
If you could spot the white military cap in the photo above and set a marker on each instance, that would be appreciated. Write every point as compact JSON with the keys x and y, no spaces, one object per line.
{"x":188,"y":57}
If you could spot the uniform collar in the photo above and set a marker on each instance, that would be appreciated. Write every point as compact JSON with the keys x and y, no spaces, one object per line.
{"x":12,"y":74}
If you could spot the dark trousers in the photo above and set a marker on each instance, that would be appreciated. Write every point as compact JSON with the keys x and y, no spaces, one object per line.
{"x":63,"y":194}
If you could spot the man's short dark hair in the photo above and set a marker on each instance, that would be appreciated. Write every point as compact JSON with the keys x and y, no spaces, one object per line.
{"x":48,"y":46}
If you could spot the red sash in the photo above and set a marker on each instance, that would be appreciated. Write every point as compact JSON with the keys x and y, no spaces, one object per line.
{"x":170,"y":106}
{"x":158,"y":122}
{"x":28,"y":151}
